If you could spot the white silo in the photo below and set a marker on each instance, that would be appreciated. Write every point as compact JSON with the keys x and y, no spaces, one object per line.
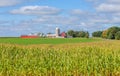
{"x":57,"y":31}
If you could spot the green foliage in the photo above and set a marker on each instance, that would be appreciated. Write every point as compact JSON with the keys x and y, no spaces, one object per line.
{"x":104,"y":34}
{"x":117,"y":35}
{"x":111,"y":36}
{"x":87,"y":35}
{"x":82,"y":34}
{"x":97,"y":34}
{"x":112,"y":31}
{"x":70,"y":33}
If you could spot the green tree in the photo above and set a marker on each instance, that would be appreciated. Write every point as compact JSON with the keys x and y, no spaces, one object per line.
{"x":104,"y":34}
{"x":78,"y":33}
{"x":117,"y":35}
{"x":82,"y":33}
{"x":97,"y":34}
{"x":112,"y":31}
{"x":87,"y":34}
{"x":111,"y":36}
{"x":70,"y":33}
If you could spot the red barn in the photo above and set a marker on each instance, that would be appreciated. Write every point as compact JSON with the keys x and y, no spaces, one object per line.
{"x":29,"y":36}
{"x":63,"y":34}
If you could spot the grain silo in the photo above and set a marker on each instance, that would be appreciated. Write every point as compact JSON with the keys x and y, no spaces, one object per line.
{"x":57,"y":31}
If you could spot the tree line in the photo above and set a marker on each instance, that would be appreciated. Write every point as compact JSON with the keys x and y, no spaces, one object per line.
{"x":110,"y":33}
{"x":82,"y":34}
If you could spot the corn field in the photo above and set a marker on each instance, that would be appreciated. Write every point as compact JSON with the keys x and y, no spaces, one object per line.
{"x":81,"y":59}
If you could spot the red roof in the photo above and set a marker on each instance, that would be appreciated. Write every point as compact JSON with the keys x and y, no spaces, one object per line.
{"x":27,"y":36}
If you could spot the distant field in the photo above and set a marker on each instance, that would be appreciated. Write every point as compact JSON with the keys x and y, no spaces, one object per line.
{"x":47,"y":40}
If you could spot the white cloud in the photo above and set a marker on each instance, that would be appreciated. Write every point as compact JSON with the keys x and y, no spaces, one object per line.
{"x":56,"y":20}
{"x":104,"y":1}
{"x":36,"y":10}
{"x":77,"y":12}
{"x":110,"y":10}
{"x":8,"y":2}
{"x":113,"y":1}
{"x":4,"y":3}
{"x":105,"y":7}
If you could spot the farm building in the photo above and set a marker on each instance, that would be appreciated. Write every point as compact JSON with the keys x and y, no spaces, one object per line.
{"x":57,"y":34}
{"x":33,"y":35}
{"x":51,"y":35}
{"x":37,"y":35}
{"x":29,"y":36}
{"x":63,"y":34}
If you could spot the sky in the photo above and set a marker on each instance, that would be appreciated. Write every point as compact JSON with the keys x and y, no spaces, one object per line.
{"x":20,"y":17}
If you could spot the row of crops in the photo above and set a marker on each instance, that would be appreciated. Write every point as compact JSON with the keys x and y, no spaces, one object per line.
{"x":84,"y":59}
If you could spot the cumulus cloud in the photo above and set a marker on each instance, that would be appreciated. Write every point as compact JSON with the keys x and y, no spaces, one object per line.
{"x":8,"y":2}
{"x":105,"y":7}
{"x":14,"y":29}
{"x":36,"y":10}
{"x":102,"y":1}
{"x":107,"y":12}
{"x":57,"y":20}
{"x":77,"y":12}
{"x":108,"y":6}
{"x":113,"y":1}
{"x":4,"y":3}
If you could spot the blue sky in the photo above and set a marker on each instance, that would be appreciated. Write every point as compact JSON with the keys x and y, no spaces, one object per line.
{"x":18,"y":17}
